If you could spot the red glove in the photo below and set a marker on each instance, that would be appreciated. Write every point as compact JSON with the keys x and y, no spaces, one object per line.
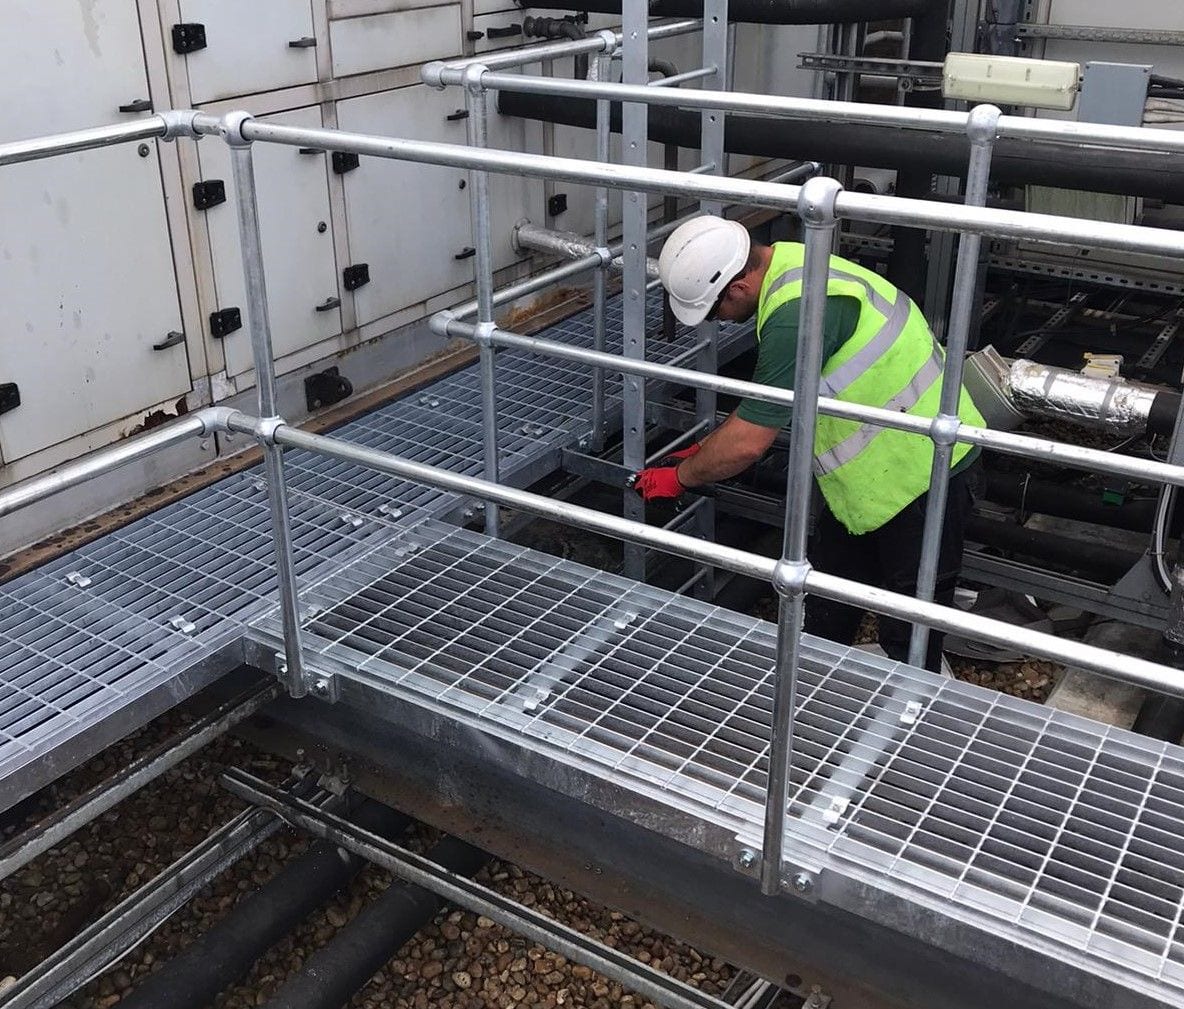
{"x":685,"y":453}
{"x":658,"y":482}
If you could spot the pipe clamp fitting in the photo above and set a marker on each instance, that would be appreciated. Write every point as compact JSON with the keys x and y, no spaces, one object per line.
{"x":230,"y":128}
{"x":944,"y":429}
{"x":432,"y":74}
{"x":816,"y":201}
{"x":179,"y":123}
{"x":789,"y":578}
{"x":606,"y":256}
{"x":266,"y":427}
{"x":471,"y":78}
{"x":483,"y":334}
{"x":216,"y":419}
{"x":982,"y":125}
{"x":608,"y":40}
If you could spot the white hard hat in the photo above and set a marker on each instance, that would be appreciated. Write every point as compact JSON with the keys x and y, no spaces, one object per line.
{"x":698,"y":261}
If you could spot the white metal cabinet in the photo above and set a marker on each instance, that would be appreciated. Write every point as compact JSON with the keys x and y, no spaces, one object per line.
{"x":409,"y":222}
{"x":86,"y":269}
{"x":302,"y":277}
{"x":394,"y":39}
{"x":252,"y":46}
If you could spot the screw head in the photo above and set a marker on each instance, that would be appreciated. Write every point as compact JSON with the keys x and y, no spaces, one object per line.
{"x":747,"y":858}
{"x":143,"y":150}
{"x":802,"y":882}
{"x":321,"y":686}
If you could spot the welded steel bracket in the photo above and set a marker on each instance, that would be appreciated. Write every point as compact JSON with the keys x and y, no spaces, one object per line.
{"x":801,"y":880}
{"x":322,"y":686}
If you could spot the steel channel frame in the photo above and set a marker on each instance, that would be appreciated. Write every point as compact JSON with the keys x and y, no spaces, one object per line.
{"x":127,"y":924}
{"x":821,"y":202}
{"x":634,"y":223}
{"x":47,"y":833}
{"x":464,"y":892}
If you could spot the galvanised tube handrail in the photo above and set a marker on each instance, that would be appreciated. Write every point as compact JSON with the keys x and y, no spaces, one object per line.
{"x":1023,"y":446}
{"x":987,"y":221}
{"x":36,"y":148}
{"x":199,"y":424}
{"x":1103,"y":661}
{"x":1131,"y":138}
{"x":441,"y":73}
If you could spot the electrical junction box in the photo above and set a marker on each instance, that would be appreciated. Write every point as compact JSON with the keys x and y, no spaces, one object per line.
{"x":1010,"y":80}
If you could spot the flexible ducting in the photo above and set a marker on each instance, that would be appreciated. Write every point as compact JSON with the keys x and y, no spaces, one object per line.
{"x":1112,"y":405}
{"x":1016,"y":162}
{"x":774,"y":12}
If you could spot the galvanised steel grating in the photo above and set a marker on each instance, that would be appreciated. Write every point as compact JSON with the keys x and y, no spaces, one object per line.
{"x":104,"y":638}
{"x":1046,"y":829}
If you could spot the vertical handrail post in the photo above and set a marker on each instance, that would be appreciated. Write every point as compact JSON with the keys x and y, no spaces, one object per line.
{"x":816,"y":206}
{"x":251,"y":240}
{"x":982,"y":128}
{"x":635,"y":220}
{"x":711,"y":152}
{"x":477,"y":126}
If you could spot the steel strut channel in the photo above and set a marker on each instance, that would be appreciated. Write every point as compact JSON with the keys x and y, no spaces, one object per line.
{"x":466,"y":893}
{"x":127,"y":924}
{"x":42,"y":836}
{"x":1061,"y":318}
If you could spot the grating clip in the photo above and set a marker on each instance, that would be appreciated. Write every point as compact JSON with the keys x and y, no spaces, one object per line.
{"x":834,"y":812}
{"x":353,"y":521}
{"x":179,"y":623}
{"x":912,"y":711}
{"x":390,"y":511}
{"x":77,"y":578}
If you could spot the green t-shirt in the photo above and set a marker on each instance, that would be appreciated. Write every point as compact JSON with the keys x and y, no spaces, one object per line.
{"x":777,"y":355}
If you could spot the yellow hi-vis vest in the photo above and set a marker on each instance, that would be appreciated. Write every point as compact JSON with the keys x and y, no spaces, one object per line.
{"x":869,"y":474}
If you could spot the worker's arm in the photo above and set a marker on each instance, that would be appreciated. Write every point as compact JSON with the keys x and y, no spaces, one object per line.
{"x":730,"y":449}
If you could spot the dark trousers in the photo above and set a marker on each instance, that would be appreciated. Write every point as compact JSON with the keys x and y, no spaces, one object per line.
{"x":888,"y":558}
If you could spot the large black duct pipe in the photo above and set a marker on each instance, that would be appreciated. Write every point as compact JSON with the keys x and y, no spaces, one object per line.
{"x":1161,"y":717}
{"x":335,"y":973}
{"x":1092,"y":560}
{"x":1023,"y":491}
{"x":1016,"y":162}
{"x":775,"y":12}
{"x":219,"y":957}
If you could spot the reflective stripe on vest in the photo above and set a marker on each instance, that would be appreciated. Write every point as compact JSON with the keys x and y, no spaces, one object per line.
{"x":896,"y":318}
{"x":902,"y":402}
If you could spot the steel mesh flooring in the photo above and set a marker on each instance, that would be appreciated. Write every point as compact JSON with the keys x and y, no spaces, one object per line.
{"x":1026,"y":819}
{"x":85,"y":638}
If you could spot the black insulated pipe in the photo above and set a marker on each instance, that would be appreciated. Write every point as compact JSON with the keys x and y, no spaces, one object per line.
{"x":1016,"y":162}
{"x":224,"y":954}
{"x":1161,"y":717}
{"x":774,"y":12}
{"x":334,"y":973}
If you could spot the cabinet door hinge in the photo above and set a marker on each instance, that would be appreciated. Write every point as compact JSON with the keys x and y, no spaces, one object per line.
{"x":225,"y":321}
{"x":10,"y":396}
{"x":353,"y":277}
{"x":345,"y":161}
{"x":188,"y":38}
{"x":209,"y":193}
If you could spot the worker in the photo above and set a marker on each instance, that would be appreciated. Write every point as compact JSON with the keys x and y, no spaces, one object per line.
{"x":878,"y":350}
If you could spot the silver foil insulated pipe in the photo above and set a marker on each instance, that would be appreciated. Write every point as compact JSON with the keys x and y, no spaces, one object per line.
{"x":568,"y":245}
{"x":1113,"y":405}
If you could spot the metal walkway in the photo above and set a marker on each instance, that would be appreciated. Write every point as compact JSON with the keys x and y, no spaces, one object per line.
{"x":108,"y":636}
{"x":993,"y":821}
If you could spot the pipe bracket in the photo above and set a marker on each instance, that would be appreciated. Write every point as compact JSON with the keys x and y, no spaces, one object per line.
{"x":483,"y":334}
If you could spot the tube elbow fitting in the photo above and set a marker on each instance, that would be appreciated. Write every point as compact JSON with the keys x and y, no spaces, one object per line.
{"x":215,"y":419}
{"x":432,"y":74}
{"x":982,"y":125}
{"x":816,"y":201}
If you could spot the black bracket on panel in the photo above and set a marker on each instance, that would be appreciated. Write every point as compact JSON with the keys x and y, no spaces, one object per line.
{"x":457,"y":116}
{"x":353,"y":277}
{"x":10,"y":396}
{"x":307,"y":42}
{"x":557,"y":204}
{"x":225,"y":321}
{"x":209,"y":193}
{"x":345,"y":161}
{"x":188,"y":38}
{"x":326,"y":388}
{"x":504,"y":33}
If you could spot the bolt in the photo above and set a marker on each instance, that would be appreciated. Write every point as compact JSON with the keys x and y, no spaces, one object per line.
{"x":143,"y":150}
{"x":747,"y":858}
{"x":321,"y":686}
{"x":322,"y":227}
{"x":802,"y":882}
